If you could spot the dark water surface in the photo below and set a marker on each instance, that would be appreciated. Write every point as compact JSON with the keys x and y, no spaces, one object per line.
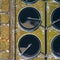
{"x":35,"y":45}
{"x":56,"y":45}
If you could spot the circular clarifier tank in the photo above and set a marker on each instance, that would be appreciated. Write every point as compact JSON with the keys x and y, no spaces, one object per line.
{"x":55,"y":46}
{"x":29,"y":19}
{"x":29,"y":46}
{"x":58,"y":1}
{"x":29,"y":1}
{"x":55,"y":18}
